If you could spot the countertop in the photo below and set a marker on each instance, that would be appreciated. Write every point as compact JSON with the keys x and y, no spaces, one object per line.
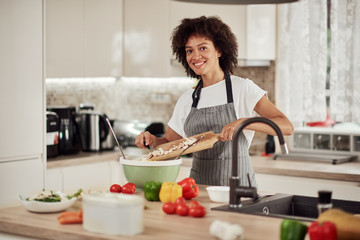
{"x":348,"y":171}
{"x":157,"y":224}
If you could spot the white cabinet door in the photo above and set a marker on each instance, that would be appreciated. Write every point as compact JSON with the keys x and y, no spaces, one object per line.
{"x":64,"y":38}
{"x":253,"y":25}
{"x":21,"y":80}
{"x":94,"y":176}
{"x":307,"y":186}
{"x":184,"y":172}
{"x":20,"y":177}
{"x":22,"y":97}
{"x":83,"y":38}
{"x":146,"y":38}
{"x":261,"y":32}
{"x":103,"y":38}
{"x":232,"y":15}
{"x":54,"y":179}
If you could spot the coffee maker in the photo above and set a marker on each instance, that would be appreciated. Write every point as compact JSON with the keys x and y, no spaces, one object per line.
{"x":93,"y":128}
{"x":52,"y":134}
{"x":69,"y":138}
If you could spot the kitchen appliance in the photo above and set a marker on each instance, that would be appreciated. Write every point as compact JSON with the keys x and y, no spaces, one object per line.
{"x":126,"y":131}
{"x":69,"y":138}
{"x":52,"y":134}
{"x":324,"y":144}
{"x":109,"y":142}
{"x":93,"y":129}
{"x":114,"y":137}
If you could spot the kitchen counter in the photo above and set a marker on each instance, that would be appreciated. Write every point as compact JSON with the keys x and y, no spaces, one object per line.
{"x":157,"y":224}
{"x":82,"y":158}
{"x":349,"y":171}
{"x":17,"y":220}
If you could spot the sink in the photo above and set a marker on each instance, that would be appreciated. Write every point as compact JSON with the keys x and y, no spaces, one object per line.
{"x":302,"y":208}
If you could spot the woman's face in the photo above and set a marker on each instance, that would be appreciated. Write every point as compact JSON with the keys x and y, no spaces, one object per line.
{"x":201,"y":55}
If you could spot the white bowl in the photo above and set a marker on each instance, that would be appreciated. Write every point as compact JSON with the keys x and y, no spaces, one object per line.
{"x":46,"y":207}
{"x":218,"y":193}
{"x":113,"y":213}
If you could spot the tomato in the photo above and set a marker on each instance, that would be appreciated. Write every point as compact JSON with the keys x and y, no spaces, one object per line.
{"x":169,"y":208}
{"x":180,"y":200}
{"x":182,"y":210}
{"x":197,"y":211}
{"x":115,"y":188}
{"x":128,"y":188}
{"x":193,"y":203}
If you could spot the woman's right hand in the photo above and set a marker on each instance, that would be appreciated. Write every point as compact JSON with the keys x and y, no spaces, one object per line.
{"x":145,"y":139}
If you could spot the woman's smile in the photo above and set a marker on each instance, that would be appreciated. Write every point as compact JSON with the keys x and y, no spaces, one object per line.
{"x":199,"y":64}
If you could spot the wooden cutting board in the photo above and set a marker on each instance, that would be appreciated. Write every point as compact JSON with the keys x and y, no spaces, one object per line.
{"x":210,"y":138}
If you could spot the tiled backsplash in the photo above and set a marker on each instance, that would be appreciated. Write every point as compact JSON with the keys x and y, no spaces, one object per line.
{"x":142,"y":98}
{"x":123,"y":99}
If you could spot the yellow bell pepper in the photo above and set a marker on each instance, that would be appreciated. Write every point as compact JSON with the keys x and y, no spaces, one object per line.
{"x":169,"y":192}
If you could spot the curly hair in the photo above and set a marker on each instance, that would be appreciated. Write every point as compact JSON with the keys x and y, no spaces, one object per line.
{"x":215,"y":30}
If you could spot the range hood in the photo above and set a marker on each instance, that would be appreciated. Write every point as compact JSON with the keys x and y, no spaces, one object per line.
{"x":238,"y":1}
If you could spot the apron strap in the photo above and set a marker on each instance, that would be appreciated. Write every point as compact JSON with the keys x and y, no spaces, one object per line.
{"x":197,"y":91}
{"x":228,"y":89}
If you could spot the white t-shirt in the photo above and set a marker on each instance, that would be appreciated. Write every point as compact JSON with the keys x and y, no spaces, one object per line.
{"x":246,"y":94}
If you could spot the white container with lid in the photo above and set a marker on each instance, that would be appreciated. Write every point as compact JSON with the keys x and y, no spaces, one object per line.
{"x":113,"y":213}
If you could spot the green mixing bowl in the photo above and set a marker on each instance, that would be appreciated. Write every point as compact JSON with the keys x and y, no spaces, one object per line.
{"x":139,"y":171}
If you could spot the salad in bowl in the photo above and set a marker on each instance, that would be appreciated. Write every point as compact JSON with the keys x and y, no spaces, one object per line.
{"x":49,"y":201}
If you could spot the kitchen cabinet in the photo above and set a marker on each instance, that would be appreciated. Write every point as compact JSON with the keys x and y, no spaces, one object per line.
{"x":308,"y":186}
{"x":98,"y":174}
{"x":233,"y":15}
{"x":94,"y":38}
{"x":92,"y":176}
{"x":54,"y":179}
{"x":22,"y":99}
{"x":83,"y":38}
{"x":253,"y":25}
{"x":184,"y":172}
{"x":146,"y":38}
{"x":260,"y":32}
{"x":23,"y":177}
{"x":14,"y":237}
{"x":147,"y":33}
{"x":21,"y":80}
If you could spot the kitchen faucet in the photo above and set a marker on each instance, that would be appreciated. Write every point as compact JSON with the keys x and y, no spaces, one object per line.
{"x":237,"y":191}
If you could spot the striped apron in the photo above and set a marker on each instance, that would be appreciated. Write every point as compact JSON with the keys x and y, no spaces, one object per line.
{"x":213,"y":166}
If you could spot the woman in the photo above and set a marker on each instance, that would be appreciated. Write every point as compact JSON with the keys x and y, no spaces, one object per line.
{"x":207,"y":49}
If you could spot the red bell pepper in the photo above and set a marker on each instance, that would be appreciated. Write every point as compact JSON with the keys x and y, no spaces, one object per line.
{"x":189,"y":188}
{"x":322,"y":231}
